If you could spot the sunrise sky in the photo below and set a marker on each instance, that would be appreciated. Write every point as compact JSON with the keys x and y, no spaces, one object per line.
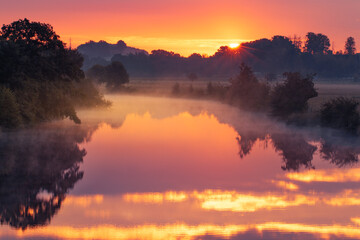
{"x":187,"y":26}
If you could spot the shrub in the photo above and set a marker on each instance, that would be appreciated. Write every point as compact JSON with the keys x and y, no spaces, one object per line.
{"x":341,"y":113}
{"x":292,"y":95}
{"x":247,"y":91}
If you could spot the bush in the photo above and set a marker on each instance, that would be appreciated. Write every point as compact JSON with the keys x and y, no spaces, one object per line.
{"x":247,"y":91}
{"x":292,"y":95}
{"x":341,"y":113}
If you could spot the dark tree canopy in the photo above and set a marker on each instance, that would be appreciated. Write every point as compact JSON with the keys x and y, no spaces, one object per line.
{"x":276,"y":55}
{"x":317,"y":43}
{"x":247,"y":91}
{"x":350,"y":48}
{"x":292,"y":95}
{"x":42,"y":75}
{"x":341,"y":113}
{"x":113,"y":75}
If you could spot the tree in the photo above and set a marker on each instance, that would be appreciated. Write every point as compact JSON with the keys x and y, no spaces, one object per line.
{"x":292,"y":95}
{"x":317,"y":43}
{"x":40,"y":72}
{"x":247,"y":91}
{"x":113,"y":75}
{"x":350,"y":46}
{"x":296,"y":40}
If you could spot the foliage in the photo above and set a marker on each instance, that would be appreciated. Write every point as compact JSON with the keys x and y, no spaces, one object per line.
{"x":317,"y":43}
{"x":276,"y":55}
{"x":292,"y":95}
{"x":341,"y":113}
{"x":113,"y":75}
{"x":247,"y":91}
{"x":40,"y":72}
{"x":9,"y":114}
{"x":350,"y":48}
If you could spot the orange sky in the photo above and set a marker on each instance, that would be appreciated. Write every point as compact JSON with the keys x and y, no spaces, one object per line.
{"x":187,"y":26}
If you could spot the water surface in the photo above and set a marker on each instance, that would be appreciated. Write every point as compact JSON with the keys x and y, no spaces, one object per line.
{"x":157,"y":168}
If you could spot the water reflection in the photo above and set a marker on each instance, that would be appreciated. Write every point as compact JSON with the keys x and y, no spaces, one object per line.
{"x":154,"y":170}
{"x":38,"y":168}
{"x":297,"y":150}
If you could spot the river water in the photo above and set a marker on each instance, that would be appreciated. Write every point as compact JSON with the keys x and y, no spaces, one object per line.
{"x":160,"y":168}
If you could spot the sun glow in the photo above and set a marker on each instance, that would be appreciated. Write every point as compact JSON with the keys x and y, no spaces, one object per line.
{"x":234,"y":45}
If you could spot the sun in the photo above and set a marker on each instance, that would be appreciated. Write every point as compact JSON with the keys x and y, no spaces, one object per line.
{"x":234,"y":45}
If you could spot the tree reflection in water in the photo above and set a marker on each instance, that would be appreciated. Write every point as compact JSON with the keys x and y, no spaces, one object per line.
{"x":340,"y":155}
{"x":37,"y":168}
{"x":297,"y":152}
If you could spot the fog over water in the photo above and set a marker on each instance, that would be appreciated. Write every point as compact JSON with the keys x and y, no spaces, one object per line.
{"x":166,"y":168}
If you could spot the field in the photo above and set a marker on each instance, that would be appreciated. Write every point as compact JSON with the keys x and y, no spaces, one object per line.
{"x":163,"y":87}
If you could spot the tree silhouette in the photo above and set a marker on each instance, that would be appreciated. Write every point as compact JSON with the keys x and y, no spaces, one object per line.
{"x":43,"y":75}
{"x":247,"y":91}
{"x":350,"y":48}
{"x":317,"y":43}
{"x":292,"y":95}
{"x":341,"y":113}
{"x":113,"y":75}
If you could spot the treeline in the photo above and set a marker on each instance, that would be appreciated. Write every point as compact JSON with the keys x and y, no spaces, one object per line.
{"x":287,"y":100}
{"x":40,"y":79}
{"x":270,"y":57}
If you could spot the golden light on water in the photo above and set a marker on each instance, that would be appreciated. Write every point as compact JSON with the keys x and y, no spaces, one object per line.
{"x":330,"y":175}
{"x":193,"y":185}
{"x":183,"y":231}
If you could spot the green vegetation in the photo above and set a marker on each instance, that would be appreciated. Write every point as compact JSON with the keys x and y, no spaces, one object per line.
{"x":40,"y":79}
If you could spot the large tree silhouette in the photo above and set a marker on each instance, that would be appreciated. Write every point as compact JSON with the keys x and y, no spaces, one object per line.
{"x":42,"y":75}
